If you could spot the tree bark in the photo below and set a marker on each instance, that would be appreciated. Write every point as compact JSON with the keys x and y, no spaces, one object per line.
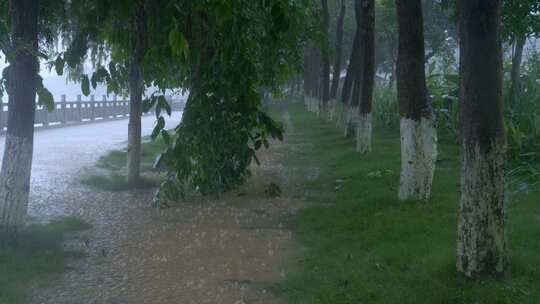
{"x":515,"y":81}
{"x":306,"y":72}
{"x":22,"y":83}
{"x":136,"y":88}
{"x":366,"y":78}
{"x":349,"y":78}
{"x":325,"y":76}
{"x":339,"y":50}
{"x":316,"y":80}
{"x":417,"y":120}
{"x":350,"y":86}
{"x":481,"y":243}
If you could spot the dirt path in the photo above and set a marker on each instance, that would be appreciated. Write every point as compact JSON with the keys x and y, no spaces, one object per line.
{"x":226,"y":250}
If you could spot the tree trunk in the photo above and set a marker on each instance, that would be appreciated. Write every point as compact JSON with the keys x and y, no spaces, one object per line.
{"x":350,"y":86}
{"x":366,"y":78}
{"x":349,"y":78}
{"x":339,"y":47}
{"x":325,"y":76}
{"x":481,"y":243}
{"x":136,"y":88}
{"x":306,"y":73}
{"x":316,"y":78}
{"x":21,"y":87}
{"x":417,"y":120}
{"x":515,"y":82}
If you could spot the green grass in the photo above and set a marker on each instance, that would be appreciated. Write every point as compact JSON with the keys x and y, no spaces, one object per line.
{"x":358,"y":244}
{"x":37,"y":258}
{"x":116,"y":160}
{"x":117,"y":182}
{"x":115,"y":163}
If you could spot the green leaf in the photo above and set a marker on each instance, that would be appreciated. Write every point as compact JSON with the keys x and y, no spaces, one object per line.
{"x":112,"y":70}
{"x":93,"y":81}
{"x":164,"y":104}
{"x":148,"y":103}
{"x":45,"y":98}
{"x":158,"y":160}
{"x":85,"y":85}
{"x":159,"y":126}
{"x":178,"y":44}
{"x":166,"y":137}
{"x":59,"y":64}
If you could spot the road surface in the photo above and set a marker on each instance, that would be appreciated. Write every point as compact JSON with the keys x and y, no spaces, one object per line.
{"x":206,"y":250}
{"x":62,"y":156}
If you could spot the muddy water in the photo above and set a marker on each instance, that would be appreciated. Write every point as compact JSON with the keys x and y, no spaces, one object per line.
{"x":210,"y":250}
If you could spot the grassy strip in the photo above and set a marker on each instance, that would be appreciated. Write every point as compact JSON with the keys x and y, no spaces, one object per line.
{"x":115,"y":161}
{"x":360,"y":245}
{"x":37,"y":258}
{"x":117,"y":182}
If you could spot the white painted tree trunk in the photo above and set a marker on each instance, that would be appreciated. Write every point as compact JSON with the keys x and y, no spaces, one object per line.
{"x":331,"y":110}
{"x":15,"y":183}
{"x":351,"y":114}
{"x":481,"y":245}
{"x":418,"y":158}
{"x":339,"y":113}
{"x":347,"y":119}
{"x":363,"y":133}
{"x":313,"y":104}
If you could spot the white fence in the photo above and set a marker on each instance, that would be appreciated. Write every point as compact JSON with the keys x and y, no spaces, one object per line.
{"x":70,"y":112}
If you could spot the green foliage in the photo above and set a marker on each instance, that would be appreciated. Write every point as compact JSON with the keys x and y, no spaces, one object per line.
{"x":223,"y":124}
{"x":358,"y":244}
{"x":385,"y":107}
{"x":117,"y":182}
{"x":520,"y":18}
{"x":85,"y":85}
{"x":443,"y":83}
{"x":45,"y":97}
{"x":523,"y":118}
{"x":59,"y":64}
{"x":114,"y":163}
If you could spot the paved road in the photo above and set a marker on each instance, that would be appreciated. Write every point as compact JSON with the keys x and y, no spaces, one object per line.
{"x":207,"y":250}
{"x":61,"y":155}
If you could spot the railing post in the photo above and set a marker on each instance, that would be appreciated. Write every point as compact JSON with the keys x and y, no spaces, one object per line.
{"x":63,"y":103}
{"x":1,"y":115}
{"x":91,"y":111}
{"x":79,"y":102}
{"x":45,"y":112}
{"x":111,"y":111}
{"x":104,"y":110}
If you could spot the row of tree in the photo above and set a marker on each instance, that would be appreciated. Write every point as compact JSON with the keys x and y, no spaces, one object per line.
{"x":134,"y":45}
{"x":481,"y":244}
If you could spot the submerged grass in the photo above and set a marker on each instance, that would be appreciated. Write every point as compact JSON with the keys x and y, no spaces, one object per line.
{"x":358,"y":244}
{"x":37,"y":258}
{"x":117,"y":182}
{"x":115,"y":163}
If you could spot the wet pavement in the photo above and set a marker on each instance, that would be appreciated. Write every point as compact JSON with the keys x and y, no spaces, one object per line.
{"x":62,"y":155}
{"x":229,"y":249}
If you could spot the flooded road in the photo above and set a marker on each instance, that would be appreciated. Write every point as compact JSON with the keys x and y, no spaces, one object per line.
{"x":228,"y":250}
{"x":61,"y":156}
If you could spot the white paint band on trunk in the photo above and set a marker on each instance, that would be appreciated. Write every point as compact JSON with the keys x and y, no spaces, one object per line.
{"x":363,"y":132}
{"x":481,"y":245}
{"x":418,"y":158}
